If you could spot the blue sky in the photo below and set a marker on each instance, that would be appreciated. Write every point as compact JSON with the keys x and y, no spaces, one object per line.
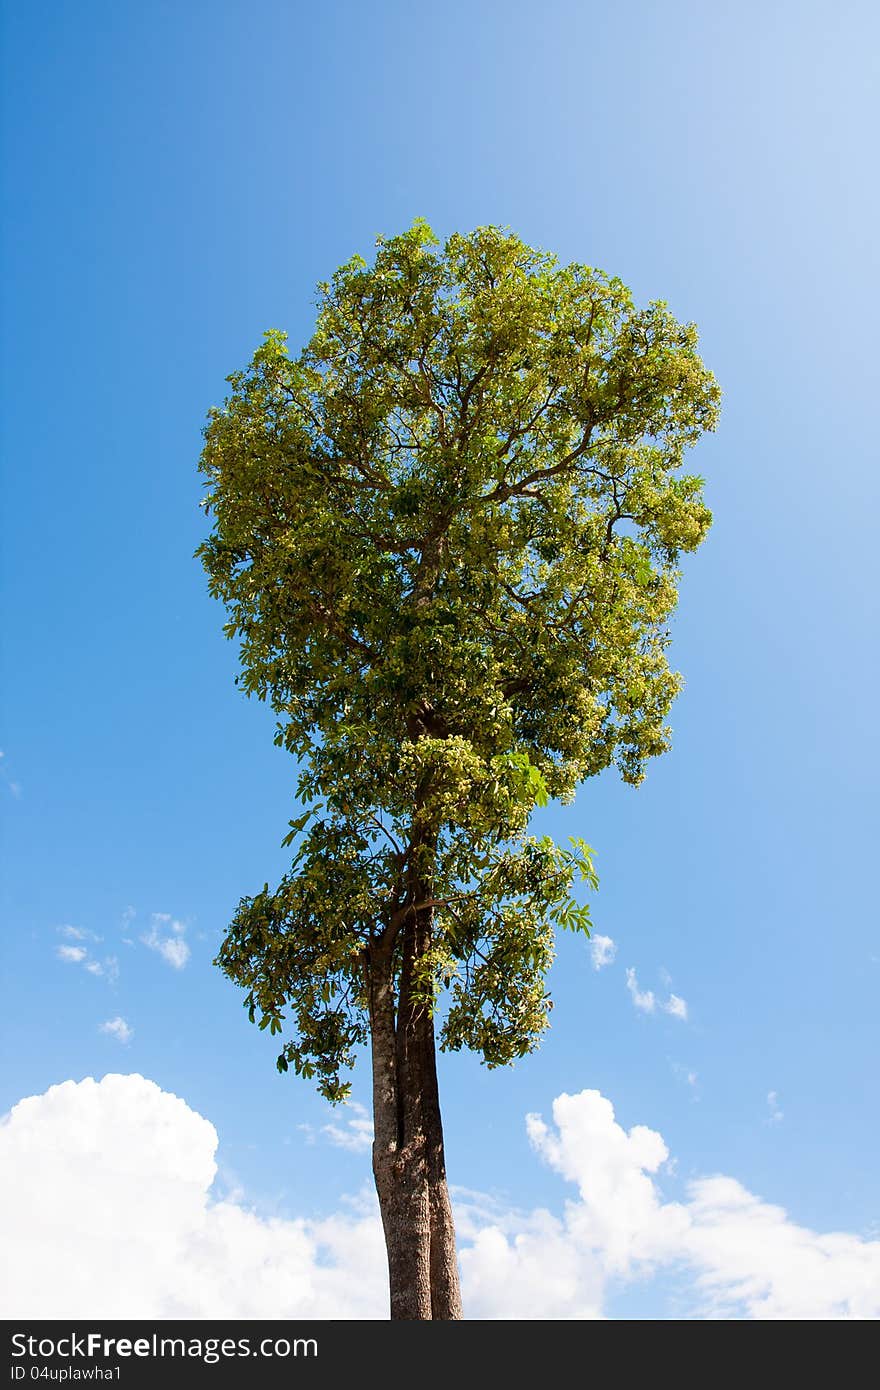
{"x":177,"y":177}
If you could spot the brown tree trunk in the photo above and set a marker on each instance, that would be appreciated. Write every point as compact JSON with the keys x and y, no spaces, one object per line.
{"x":408,"y":1159}
{"x":445,"y":1291}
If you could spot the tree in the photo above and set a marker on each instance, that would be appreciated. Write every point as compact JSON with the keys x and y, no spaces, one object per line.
{"x":447,"y":535}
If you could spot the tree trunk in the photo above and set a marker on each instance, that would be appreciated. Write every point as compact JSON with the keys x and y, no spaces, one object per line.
{"x":445,"y":1292}
{"x":408,"y":1159}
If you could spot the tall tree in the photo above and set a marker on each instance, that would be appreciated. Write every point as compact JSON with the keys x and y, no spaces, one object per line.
{"x":447,"y":536}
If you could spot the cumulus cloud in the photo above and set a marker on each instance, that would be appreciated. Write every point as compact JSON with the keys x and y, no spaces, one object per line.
{"x":776,"y":1115}
{"x":527,"y":1267}
{"x":126,"y":1226}
{"x":166,"y":936}
{"x":122,"y":1223}
{"x":603,"y":950}
{"x":745,"y":1258}
{"x":118,"y":1028}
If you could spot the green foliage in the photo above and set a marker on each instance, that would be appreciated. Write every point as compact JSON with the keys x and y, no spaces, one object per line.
{"x":447,"y":535}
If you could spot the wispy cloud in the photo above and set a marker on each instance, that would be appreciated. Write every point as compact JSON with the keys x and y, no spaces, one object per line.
{"x":14,"y":787}
{"x":166,"y":937}
{"x":356,"y":1134}
{"x":646,"y":1001}
{"x":776,"y":1115}
{"x":73,"y":954}
{"x":603,"y":950}
{"x":676,"y":1006}
{"x":643,"y":999}
{"x":108,"y":968}
{"x":77,"y":933}
{"x":687,"y":1076}
{"x":117,"y":1028}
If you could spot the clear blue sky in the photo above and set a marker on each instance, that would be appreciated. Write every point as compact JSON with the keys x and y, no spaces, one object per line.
{"x":177,"y":177}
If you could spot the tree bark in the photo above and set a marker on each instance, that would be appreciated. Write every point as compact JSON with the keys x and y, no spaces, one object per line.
{"x":445,"y":1292}
{"x":408,"y":1158}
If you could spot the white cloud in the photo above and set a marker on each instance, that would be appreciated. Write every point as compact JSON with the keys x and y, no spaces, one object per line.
{"x":14,"y":787}
{"x":164,"y":919}
{"x":175,"y":951}
{"x":79,"y":955}
{"x":646,"y":1000}
{"x":748,"y":1257}
{"x":108,"y":969}
{"x":690,"y":1078}
{"x":355,"y":1133}
{"x":744,"y":1257}
{"x":119,"y":1029}
{"x":776,"y":1115}
{"x":677,"y":1007}
{"x":74,"y":954}
{"x":126,"y":1227}
{"x":603,"y":950}
{"x":527,"y":1267}
{"x":166,"y":936}
{"x":643,"y":999}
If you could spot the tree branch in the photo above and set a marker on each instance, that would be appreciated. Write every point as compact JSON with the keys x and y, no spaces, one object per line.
{"x":504,"y":491}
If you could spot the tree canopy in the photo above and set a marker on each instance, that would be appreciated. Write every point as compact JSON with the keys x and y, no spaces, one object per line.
{"x":448,"y":536}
